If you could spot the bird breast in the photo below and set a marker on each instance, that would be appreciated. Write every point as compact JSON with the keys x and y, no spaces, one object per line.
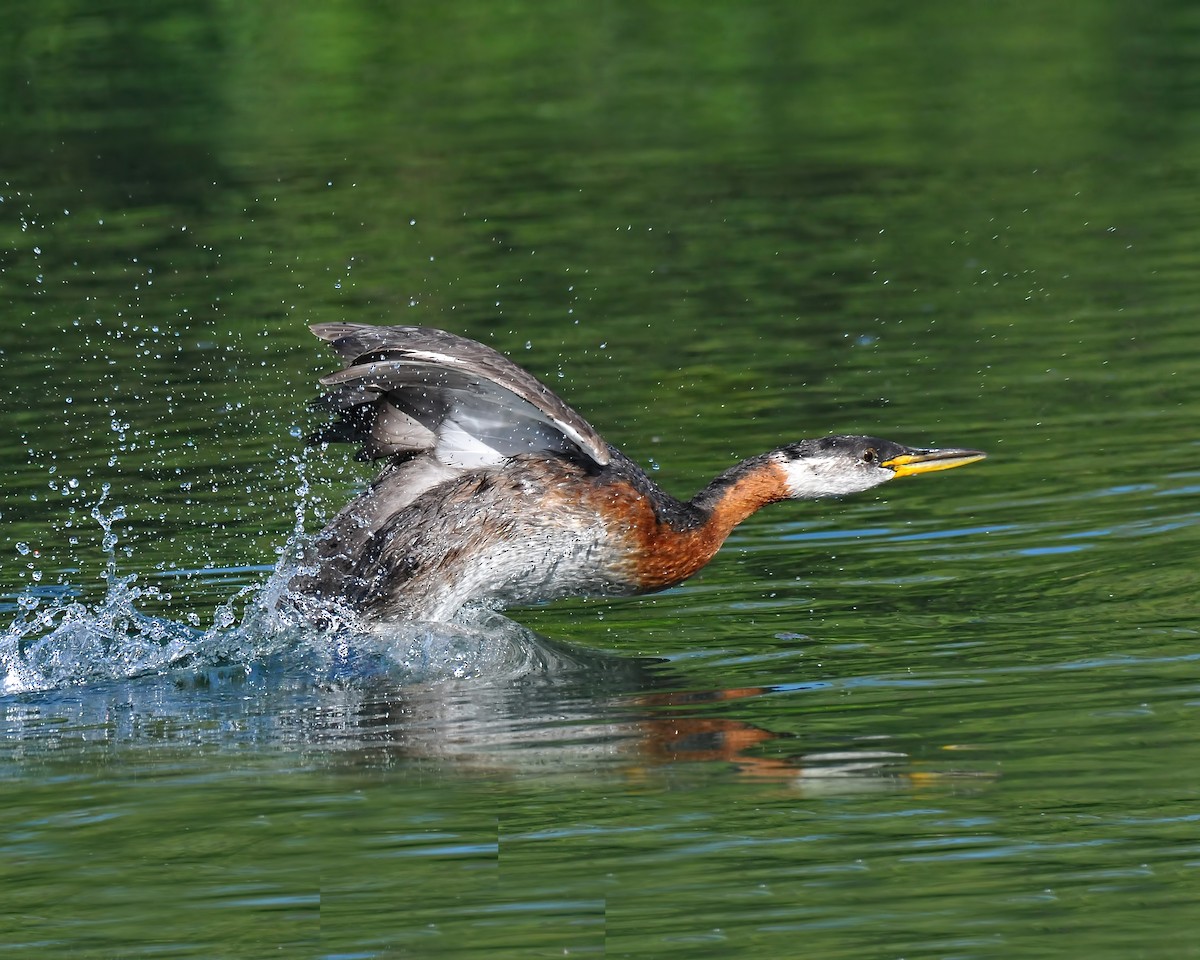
{"x":536,"y":530}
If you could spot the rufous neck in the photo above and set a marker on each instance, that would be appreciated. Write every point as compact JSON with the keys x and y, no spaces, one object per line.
{"x":739,"y":492}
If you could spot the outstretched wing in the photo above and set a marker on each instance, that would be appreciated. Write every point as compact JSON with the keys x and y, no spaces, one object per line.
{"x":411,"y":390}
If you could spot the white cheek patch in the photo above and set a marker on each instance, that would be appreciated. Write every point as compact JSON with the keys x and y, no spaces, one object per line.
{"x":811,"y":477}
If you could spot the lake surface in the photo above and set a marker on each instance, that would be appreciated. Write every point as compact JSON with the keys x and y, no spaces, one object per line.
{"x":954,"y":717}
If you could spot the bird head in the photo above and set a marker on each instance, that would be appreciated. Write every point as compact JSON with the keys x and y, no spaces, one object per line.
{"x":831,"y":466}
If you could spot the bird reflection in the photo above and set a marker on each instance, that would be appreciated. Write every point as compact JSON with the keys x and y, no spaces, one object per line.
{"x":498,"y":699}
{"x":501,"y":698}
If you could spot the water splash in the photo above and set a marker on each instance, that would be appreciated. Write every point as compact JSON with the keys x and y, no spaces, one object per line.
{"x":56,"y":642}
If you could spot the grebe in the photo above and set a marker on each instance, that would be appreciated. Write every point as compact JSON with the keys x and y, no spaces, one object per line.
{"x":493,"y":490}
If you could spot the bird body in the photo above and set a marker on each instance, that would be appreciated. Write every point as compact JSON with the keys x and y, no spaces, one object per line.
{"x":495,"y":491}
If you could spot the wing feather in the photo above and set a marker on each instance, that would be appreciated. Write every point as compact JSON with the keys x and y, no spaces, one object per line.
{"x":409,"y":390}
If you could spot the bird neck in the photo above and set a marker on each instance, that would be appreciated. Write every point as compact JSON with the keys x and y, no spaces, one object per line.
{"x":671,"y":550}
{"x":739,"y":492}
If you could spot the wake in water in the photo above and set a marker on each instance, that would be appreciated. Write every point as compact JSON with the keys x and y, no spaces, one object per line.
{"x":54,"y":642}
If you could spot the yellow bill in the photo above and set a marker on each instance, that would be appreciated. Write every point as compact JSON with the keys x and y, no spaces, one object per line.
{"x":928,"y":461}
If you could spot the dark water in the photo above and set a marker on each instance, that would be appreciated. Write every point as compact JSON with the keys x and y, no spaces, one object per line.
{"x":951,"y":718}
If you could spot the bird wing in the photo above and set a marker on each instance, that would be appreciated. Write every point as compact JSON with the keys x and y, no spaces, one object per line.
{"x":411,"y":390}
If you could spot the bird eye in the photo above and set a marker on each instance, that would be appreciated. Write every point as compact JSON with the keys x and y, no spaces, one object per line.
{"x":869,"y":455}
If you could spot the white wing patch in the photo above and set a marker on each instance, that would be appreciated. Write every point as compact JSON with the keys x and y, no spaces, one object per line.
{"x":460,"y":447}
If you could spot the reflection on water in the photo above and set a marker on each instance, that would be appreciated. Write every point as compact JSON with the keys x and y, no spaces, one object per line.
{"x":485,"y":694}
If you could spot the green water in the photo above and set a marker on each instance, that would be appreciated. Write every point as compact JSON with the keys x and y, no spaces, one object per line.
{"x":949,"y":718}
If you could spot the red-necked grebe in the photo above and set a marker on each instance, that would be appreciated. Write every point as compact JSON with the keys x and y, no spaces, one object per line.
{"x":495,"y":491}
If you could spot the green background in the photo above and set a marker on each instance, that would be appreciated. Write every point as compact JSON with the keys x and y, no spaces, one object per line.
{"x":950,"y":718}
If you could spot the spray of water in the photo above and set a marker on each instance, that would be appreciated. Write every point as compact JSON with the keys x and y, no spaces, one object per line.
{"x":59,"y":642}
{"x":54,"y":643}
